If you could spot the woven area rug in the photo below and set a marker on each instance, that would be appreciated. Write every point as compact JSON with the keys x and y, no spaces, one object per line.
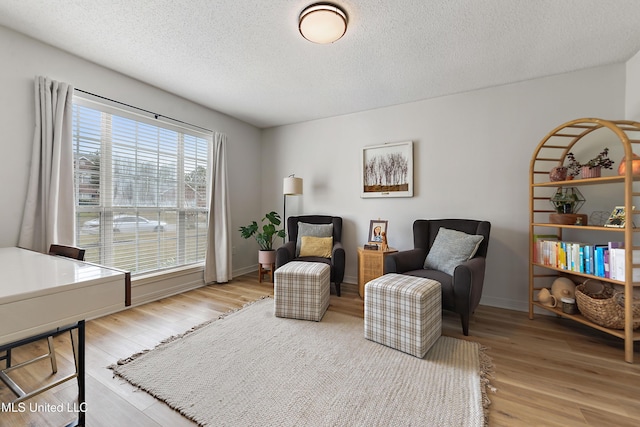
{"x":251,"y":368}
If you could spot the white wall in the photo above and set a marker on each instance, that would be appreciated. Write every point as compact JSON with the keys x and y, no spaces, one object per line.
{"x":471,"y":160}
{"x":23,"y":58}
{"x":632,"y":100}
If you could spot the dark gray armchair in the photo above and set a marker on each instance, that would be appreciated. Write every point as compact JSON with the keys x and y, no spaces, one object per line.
{"x":461,"y":291}
{"x":287,"y":252}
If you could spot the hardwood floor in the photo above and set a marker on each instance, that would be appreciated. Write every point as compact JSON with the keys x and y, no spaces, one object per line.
{"x":548,"y":372}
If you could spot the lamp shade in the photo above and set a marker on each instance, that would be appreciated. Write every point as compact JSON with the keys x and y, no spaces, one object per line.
{"x":292,"y":185}
{"x":322,"y":23}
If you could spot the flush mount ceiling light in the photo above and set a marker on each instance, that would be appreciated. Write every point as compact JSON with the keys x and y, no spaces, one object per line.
{"x":322,"y":23}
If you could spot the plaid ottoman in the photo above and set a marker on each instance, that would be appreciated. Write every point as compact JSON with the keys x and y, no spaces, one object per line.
{"x":301,"y":290}
{"x":403,"y":312}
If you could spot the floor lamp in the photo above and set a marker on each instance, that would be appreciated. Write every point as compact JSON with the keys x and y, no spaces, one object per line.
{"x":290,"y":187}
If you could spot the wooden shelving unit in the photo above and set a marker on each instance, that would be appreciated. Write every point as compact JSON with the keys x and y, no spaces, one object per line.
{"x":551,"y":152}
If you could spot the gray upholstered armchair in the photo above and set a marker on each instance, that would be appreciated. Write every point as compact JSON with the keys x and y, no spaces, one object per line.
{"x":290,"y":251}
{"x":462,"y":284}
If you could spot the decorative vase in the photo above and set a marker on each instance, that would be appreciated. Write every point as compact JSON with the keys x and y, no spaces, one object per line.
{"x":559,"y":173}
{"x":563,"y":287}
{"x":635,"y":165}
{"x":266,"y":258}
{"x":590,"y":172}
{"x":545,"y":298}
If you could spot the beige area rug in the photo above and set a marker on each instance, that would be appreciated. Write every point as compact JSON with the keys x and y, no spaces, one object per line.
{"x":250,"y":368}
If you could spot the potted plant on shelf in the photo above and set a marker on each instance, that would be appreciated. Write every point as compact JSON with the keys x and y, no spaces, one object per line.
{"x":265,"y":236}
{"x":591,"y":169}
{"x":567,"y":201}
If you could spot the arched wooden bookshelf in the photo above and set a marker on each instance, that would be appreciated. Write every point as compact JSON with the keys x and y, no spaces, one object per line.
{"x":551,"y":152}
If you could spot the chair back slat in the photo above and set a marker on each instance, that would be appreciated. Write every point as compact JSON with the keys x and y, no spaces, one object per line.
{"x":67,"y":251}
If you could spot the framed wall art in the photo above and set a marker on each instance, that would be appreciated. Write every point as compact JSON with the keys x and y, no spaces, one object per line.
{"x":387,"y":170}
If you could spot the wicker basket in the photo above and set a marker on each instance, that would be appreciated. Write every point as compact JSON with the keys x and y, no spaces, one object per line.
{"x":607,"y":308}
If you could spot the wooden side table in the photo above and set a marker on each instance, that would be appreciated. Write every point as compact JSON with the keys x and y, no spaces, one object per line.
{"x":370,"y":266}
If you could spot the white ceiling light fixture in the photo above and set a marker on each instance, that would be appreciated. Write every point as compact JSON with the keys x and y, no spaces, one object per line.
{"x":322,"y":23}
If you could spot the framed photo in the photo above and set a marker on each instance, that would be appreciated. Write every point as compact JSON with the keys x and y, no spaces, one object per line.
{"x":617,"y":218}
{"x":387,"y":170}
{"x":376,"y":228}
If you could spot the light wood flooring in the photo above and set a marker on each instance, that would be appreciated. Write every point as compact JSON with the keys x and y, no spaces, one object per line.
{"x":548,"y":372}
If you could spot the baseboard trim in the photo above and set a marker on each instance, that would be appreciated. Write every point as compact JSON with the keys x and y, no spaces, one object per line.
{"x":506,"y":303}
{"x":245,"y":270}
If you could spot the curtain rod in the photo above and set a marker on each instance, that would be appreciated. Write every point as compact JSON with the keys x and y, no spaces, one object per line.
{"x":156,"y":115}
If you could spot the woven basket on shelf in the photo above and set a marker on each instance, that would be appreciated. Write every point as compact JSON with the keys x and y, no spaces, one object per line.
{"x":606,"y":309}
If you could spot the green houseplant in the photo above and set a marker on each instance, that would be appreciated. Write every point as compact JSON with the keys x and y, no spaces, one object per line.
{"x":567,"y":201}
{"x":592,"y":168}
{"x":264,"y":236}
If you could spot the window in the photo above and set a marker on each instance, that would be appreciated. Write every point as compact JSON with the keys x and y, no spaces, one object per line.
{"x":141,"y":189}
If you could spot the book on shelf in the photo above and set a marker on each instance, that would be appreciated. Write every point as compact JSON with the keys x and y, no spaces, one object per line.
{"x":542,"y":249}
{"x":598,"y":259}
{"x":613,"y":245}
{"x":617,"y":264}
{"x":601,"y":260}
{"x":589,"y":263}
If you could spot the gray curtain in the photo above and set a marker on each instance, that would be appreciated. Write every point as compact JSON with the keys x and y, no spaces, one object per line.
{"x":217,"y":266}
{"x":49,"y":211}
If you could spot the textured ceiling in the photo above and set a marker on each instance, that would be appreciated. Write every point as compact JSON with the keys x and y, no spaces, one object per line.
{"x":246,"y":58}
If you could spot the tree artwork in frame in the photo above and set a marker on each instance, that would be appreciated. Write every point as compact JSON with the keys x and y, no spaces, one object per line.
{"x":387,"y":170}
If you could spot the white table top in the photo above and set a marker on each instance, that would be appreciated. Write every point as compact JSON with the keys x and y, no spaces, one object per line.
{"x":27,"y":274}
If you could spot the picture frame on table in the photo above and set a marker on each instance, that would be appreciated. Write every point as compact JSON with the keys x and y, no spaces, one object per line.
{"x":376,"y":229}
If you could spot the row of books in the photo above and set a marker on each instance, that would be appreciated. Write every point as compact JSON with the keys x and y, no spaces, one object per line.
{"x":602,"y":260}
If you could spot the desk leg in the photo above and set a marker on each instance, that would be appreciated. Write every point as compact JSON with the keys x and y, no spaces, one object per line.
{"x":81,"y":369}
{"x":78,"y":349}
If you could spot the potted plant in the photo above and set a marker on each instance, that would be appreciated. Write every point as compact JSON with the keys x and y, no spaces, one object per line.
{"x":566,"y":202}
{"x":265,"y":236}
{"x":591,"y":169}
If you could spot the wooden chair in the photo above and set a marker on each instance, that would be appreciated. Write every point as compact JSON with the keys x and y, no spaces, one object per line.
{"x":57,"y":250}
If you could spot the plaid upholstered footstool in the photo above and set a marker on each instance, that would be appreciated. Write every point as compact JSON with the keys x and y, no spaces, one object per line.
{"x":301,"y":290}
{"x":403,"y":312}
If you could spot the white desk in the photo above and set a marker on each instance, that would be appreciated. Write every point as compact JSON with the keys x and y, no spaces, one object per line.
{"x":42,"y":293}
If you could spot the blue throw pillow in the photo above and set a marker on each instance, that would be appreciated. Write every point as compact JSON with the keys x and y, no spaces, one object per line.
{"x":450,"y":248}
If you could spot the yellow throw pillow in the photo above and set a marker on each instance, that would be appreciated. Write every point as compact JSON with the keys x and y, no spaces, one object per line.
{"x":316,"y":246}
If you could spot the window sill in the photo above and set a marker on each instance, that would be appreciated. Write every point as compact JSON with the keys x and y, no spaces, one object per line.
{"x":166,"y":274}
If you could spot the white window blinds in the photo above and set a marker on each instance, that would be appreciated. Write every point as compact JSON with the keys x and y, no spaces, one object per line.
{"x":141,"y":188}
